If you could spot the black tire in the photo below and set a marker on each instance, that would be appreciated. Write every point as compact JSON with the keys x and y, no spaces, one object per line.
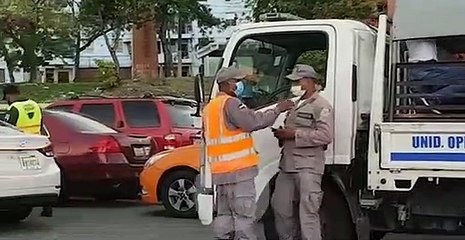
{"x":336,"y":220}
{"x":63,"y":197}
{"x":15,"y":215}
{"x":181,"y":204}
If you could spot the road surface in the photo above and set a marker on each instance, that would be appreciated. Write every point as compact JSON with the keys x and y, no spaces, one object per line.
{"x":86,"y":220}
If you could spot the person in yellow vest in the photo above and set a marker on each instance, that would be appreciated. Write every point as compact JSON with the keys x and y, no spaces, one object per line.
{"x":228,"y":124}
{"x":26,"y":115}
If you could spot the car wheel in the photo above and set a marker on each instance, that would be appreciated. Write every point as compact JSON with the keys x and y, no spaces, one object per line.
{"x":63,"y":197}
{"x":178,"y":194}
{"x":15,"y":215}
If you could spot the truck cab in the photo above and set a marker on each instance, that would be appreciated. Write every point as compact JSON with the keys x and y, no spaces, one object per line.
{"x":376,"y":181}
{"x":341,"y":50}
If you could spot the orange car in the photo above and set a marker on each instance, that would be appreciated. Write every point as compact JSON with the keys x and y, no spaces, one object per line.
{"x":168,"y":177}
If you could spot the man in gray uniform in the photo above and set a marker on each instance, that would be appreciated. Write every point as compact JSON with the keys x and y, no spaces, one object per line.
{"x":307,"y":132}
{"x":236,"y":192}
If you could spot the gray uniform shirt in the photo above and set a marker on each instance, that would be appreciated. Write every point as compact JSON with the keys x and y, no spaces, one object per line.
{"x":238,"y":115}
{"x":313,"y":121}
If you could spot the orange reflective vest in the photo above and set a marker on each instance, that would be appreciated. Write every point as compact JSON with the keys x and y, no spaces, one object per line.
{"x":227,"y":150}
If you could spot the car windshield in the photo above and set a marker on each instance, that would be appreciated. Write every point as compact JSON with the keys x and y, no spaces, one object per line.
{"x":181,"y":116}
{"x":83,"y":124}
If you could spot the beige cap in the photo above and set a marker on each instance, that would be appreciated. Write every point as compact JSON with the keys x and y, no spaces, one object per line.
{"x":303,"y":71}
{"x":226,"y":74}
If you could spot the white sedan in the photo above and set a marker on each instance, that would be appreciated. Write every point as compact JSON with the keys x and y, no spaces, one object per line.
{"x":29,"y":175}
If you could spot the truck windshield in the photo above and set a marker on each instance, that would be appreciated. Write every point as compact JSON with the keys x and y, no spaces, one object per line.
{"x":268,"y":58}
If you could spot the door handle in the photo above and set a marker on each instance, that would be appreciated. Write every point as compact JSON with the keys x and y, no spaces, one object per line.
{"x":377,"y":137}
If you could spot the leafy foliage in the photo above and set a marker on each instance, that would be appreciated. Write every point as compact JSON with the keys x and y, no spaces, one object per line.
{"x":311,"y":9}
{"x":40,"y":29}
{"x":107,"y":74}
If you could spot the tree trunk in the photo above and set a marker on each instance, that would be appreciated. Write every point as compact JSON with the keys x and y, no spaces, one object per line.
{"x":77,"y":51}
{"x":179,"y":46}
{"x":77,"y":57}
{"x":33,"y":73}
{"x":112,"y":52}
{"x":9,"y":61}
{"x":11,"y":71}
{"x":166,"y":48}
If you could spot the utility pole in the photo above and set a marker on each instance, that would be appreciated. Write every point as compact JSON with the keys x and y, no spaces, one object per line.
{"x":180,"y":26}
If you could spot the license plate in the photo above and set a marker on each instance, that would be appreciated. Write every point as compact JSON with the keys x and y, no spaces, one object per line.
{"x":141,"y":151}
{"x":29,"y":163}
{"x":197,"y":141}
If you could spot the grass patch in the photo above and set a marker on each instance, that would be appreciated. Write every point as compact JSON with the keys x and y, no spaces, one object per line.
{"x":43,"y":93}
{"x":50,"y":91}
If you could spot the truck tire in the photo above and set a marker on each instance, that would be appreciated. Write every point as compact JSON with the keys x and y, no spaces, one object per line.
{"x":15,"y":215}
{"x":178,"y":193}
{"x":336,"y":220}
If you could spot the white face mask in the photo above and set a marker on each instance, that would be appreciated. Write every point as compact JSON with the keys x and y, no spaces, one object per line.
{"x":297,"y":91}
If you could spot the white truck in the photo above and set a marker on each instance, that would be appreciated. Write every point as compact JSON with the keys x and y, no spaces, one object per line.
{"x":394,"y":165}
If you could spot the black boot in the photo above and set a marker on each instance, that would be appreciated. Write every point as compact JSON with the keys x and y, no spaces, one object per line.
{"x":47,"y":211}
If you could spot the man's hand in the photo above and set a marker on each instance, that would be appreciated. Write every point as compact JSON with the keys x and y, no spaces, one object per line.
{"x":284,"y":133}
{"x":251,"y":79}
{"x":285,"y":105}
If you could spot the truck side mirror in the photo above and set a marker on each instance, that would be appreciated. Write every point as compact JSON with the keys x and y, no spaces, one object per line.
{"x":198,"y":93}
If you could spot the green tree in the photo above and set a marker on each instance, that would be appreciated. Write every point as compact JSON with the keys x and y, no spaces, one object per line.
{"x":103,"y":17}
{"x":311,"y":9}
{"x":39,"y":29}
{"x":165,"y":13}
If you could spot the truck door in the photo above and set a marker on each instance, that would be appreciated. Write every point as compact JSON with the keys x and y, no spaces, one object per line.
{"x":269,"y":54}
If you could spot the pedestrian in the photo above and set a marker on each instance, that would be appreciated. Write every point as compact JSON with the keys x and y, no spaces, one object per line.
{"x":308,"y":129}
{"x":26,"y":115}
{"x":230,"y":151}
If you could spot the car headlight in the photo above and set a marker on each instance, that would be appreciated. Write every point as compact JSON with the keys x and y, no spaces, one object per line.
{"x":152,"y":160}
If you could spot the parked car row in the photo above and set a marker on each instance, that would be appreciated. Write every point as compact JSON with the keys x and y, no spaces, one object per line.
{"x":100,"y":146}
{"x":168,"y":120}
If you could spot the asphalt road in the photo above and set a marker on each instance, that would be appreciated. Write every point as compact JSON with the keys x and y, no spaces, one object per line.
{"x":86,"y":220}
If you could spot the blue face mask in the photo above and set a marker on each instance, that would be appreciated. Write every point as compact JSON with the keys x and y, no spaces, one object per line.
{"x":239,"y":89}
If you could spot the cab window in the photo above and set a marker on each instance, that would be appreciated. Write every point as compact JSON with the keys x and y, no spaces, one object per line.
{"x":269,"y":57}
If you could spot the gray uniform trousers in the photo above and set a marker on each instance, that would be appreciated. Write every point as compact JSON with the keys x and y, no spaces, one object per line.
{"x":236,"y":208}
{"x":296,"y":203}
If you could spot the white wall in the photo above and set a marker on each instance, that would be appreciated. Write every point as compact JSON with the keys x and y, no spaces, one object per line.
{"x":99,"y":51}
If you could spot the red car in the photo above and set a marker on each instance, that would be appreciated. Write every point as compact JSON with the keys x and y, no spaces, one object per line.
{"x":168,"y":120}
{"x":96,"y":160}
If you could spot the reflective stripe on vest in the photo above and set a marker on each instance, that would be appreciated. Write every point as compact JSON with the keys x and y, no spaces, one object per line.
{"x":227,"y":150}
{"x":25,"y":123}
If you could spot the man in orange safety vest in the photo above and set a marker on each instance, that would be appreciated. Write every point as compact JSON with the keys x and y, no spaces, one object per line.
{"x":230,"y":151}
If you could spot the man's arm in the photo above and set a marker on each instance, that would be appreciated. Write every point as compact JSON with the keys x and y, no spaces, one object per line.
{"x":321,"y":135}
{"x":247,"y":119}
{"x":11,"y":116}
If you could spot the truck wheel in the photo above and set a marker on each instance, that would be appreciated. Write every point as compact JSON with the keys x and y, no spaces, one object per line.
{"x":377,"y":235}
{"x":178,"y":194}
{"x":336,"y":221}
{"x":15,"y":215}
